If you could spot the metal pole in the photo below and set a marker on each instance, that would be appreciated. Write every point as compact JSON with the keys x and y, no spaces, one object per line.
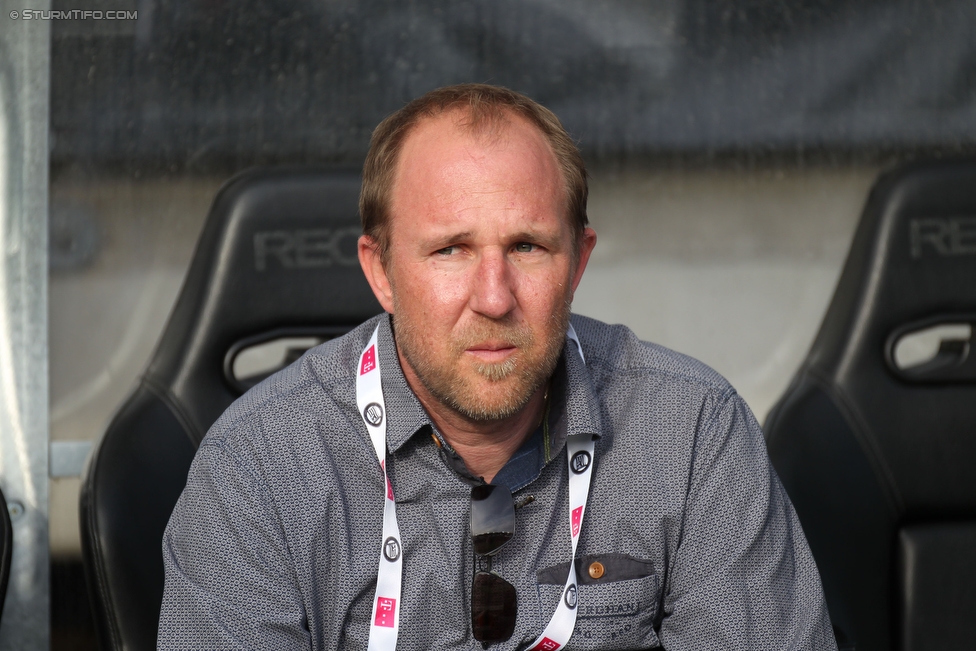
{"x":25,"y":47}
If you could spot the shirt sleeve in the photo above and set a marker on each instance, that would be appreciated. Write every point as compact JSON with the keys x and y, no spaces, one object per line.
{"x":230,"y":582}
{"x":742,"y":576}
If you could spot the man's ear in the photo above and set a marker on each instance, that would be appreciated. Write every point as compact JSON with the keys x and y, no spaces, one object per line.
{"x":587,"y":242}
{"x":371,"y":260}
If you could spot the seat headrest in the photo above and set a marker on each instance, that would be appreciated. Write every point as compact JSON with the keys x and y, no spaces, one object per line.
{"x":277,"y":252}
{"x":912,"y":264}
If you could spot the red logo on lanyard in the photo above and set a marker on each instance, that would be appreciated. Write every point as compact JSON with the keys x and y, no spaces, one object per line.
{"x":546,"y":645}
{"x":369,"y":361}
{"x":389,"y":486}
{"x":385,"y":612}
{"x":577,"y":516}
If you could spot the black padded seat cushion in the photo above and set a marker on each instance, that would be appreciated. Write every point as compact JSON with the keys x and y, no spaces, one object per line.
{"x":133,"y":483}
{"x":277,"y":255}
{"x":938,"y":563}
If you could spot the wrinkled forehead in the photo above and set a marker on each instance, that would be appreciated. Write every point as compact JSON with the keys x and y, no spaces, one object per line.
{"x":447,"y":135}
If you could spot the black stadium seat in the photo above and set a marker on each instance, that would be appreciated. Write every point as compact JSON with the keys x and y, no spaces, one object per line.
{"x":6,"y":548}
{"x":877,"y":446}
{"x":277,"y":257}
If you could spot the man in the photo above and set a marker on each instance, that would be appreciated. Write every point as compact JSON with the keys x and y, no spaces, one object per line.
{"x":343,"y":503}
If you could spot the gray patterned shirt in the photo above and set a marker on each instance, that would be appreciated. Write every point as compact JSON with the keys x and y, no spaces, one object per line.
{"x":274,"y":543}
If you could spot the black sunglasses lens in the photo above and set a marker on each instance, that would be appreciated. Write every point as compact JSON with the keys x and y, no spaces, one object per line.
{"x":492,"y":608}
{"x":492,"y":518}
{"x":493,"y":599}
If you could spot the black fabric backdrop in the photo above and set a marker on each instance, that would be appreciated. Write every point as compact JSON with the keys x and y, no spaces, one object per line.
{"x":218,"y":83}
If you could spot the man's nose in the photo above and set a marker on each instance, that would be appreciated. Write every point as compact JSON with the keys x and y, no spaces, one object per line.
{"x":493,"y":291}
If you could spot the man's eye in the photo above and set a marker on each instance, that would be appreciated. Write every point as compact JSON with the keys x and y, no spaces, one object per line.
{"x":524,"y":247}
{"x":447,"y":250}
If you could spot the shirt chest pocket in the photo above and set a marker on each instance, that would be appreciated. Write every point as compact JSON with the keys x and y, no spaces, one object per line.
{"x":618,"y":601}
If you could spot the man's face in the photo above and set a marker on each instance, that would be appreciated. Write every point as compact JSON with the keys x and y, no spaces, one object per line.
{"x":480,"y":272}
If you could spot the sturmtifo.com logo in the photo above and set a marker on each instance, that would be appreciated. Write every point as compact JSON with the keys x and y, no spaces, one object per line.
{"x":73,"y":14}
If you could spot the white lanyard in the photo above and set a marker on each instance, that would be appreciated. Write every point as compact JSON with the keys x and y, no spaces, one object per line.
{"x":385,"y":621}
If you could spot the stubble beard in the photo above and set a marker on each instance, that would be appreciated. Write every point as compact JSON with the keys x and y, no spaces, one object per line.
{"x":511,"y":383}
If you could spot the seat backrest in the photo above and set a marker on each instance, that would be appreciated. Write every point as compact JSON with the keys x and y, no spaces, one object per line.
{"x":277,"y":256}
{"x":6,"y":548}
{"x":876,"y":451}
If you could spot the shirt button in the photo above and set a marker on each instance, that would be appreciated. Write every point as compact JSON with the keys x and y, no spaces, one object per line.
{"x":596,"y":569}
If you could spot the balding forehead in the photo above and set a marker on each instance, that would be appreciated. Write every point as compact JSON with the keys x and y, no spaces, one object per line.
{"x":490,"y":125}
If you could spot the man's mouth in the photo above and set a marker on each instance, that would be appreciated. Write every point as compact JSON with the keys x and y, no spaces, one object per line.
{"x":491,"y":352}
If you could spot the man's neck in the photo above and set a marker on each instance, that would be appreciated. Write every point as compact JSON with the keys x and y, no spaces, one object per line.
{"x":485,"y":446}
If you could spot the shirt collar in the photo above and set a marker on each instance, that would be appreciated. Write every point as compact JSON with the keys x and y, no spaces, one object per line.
{"x":574,"y":410}
{"x":405,"y":414}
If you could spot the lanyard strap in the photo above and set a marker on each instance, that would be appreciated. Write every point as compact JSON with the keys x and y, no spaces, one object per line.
{"x":385,"y":621}
{"x":579,"y":456}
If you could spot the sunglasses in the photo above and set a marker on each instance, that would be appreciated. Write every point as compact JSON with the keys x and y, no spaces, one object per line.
{"x":493,"y":599}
